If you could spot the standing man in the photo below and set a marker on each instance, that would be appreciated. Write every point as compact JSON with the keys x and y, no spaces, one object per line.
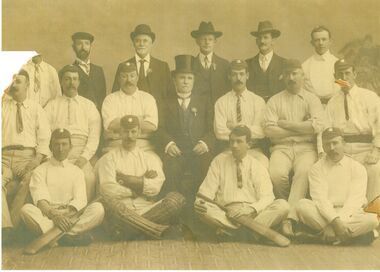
{"x":356,"y":111}
{"x":241,"y":184}
{"x":292,"y":120}
{"x":80,"y":117}
{"x":44,"y":83}
{"x":266,"y":67}
{"x":129,"y":99}
{"x":131,"y":179}
{"x":58,"y":191}
{"x":319,"y":68}
{"x":25,"y":136}
{"x":338,"y":186}
{"x":153,"y":74}
{"x":240,"y":107}
{"x":92,"y":80}
{"x":184,"y":132}
{"x":212,"y":70}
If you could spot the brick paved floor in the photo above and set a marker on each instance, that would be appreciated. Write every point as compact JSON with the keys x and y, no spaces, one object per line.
{"x":194,"y":255}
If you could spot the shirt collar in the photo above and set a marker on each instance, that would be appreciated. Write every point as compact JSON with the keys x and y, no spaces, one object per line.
{"x":41,"y":64}
{"x":243,"y":94}
{"x":202,"y":57}
{"x":75,"y":98}
{"x":147,"y":58}
{"x":340,"y":163}
{"x":81,"y":62}
{"x":25,"y":103}
{"x":55,"y":162}
{"x":267,"y":56}
{"x":134,"y":95}
{"x":325,"y":56}
{"x":134,"y":152}
{"x":301,"y":94}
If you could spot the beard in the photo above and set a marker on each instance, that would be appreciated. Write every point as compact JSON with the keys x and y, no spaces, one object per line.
{"x":83,"y":54}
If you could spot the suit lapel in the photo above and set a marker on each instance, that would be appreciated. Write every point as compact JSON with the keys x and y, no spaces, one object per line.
{"x":272,"y":63}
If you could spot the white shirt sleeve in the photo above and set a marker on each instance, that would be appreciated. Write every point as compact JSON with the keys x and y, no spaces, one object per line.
{"x":153,"y":186}
{"x":221,"y":130}
{"x":95,"y":127}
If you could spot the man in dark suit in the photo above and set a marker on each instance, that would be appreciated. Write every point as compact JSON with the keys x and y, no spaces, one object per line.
{"x":185,"y":135}
{"x":91,"y":76}
{"x":265,"y":69}
{"x":154,"y":74}
{"x":212,"y":70}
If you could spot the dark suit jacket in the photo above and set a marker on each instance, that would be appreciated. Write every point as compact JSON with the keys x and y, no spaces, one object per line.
{"x":92,"y":86}
{"x":217,"y":84}
{"x":200,"y":125}
{"x":159,"y":78}
{"x":268,"y":83}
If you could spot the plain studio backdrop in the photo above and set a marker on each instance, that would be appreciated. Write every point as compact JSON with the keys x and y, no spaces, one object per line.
{"x":46,"y":26}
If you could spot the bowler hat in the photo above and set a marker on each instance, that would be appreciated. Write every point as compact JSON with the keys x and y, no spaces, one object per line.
{"x":143,"y":29}
{"x":206,"y":28}
{"x":184,"y":64}
{"x":266,"y":27}
{"x":82,"y":36}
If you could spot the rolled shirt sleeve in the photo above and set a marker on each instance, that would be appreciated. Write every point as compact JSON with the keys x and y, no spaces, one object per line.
{"x":95,"y":126}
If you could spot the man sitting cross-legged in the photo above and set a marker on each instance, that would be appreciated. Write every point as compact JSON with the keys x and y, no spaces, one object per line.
{"x":338,"y":186}
{"x":240,"y":183}
{"x":130,"y":180}
{"x":58,"y":190}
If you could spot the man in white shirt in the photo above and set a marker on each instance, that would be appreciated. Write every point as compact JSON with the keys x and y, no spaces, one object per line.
{"x":131,"y":178}
{"x":25,"y":143}
{"x":319,"y":68}
{"x":58,"y":190}
{"x":240,"y":107}
{"x":80,"y":116}
{"x":241,"y":184}
{"x":337,"y":187}
{"x":44,"y":83}
{"x":129,"y":99}
{"x":292,"y":120}
{"x":356,"y":111}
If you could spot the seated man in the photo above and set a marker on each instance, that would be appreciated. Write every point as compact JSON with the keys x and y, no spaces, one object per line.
{"x":241,"y":184}
{"x":131,"y":179}
{"x":338,"y":186}
{"x":81,"y":118}
{"x":129,"y":99}
{"x":58,"y":190}
{"x":237,"y":107}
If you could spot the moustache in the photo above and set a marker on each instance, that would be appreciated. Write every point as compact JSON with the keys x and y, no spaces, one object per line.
{"x":291,"y":82}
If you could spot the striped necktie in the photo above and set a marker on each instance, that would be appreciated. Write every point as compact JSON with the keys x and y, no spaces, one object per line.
{"x":346,"y":105}
{"x":239,"y":174}
{"x":238,"y":109}
{"x":37,"y":78}
{"x":19,"y":124}
{"x":207,"y":65}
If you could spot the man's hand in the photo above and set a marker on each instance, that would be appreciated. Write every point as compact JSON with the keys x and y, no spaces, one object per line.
{"x":341,"y":230}
{"x":63,"y":222}
{"x":200,"y":206}
{"x":231,"y":125}
{"x":373,"y":157}
{"x":199,"y":149}
{"x":236,"y":210}
{"x":80,"y":162}
{"x":174,"y":151}
{"x":150,"y":174}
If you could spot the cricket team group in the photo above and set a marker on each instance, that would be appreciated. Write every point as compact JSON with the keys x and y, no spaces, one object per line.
{"x":200,"y":152}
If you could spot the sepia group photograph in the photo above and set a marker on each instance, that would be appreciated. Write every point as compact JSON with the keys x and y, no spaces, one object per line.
{"x":191,"y":135}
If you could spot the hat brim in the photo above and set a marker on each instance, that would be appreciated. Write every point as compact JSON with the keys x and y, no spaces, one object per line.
{"x":275,"y":33}
{"x":150,"y":34}
{"x":184,"y":71}
{"x":197,"y":33}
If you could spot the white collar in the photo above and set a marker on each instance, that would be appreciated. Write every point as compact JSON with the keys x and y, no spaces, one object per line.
{"x":24,"y":103}
{"x":267,"y":56}
{"x":81,"y":62}
{"x":325,"y":56}
{"x":41,"y":64}
{"x":55,"y":162}
{"x":209,"y":56}
{"x":146,"y":58}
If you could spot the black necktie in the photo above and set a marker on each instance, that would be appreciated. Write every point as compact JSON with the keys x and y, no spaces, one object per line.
{"x":239,"y":174}
{"x":346,"y":105}
{"x":141,"y":70}
{"x":19,"y":124}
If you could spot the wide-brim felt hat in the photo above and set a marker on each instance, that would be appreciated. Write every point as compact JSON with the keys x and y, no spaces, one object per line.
{"x":266,"y":27}
{"x":206,"y":28}
{"x":184,"y":64}
{"x":143,"y":29}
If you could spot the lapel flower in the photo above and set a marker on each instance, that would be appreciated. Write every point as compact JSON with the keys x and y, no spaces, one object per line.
{"x":149,"y":71}
{"x":214,"y":66}
{"x":194,"y":111}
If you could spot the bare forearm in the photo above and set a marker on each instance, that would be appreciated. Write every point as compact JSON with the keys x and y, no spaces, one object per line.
{"x":301,"y":127}
{"x":277,"y":132}
{"x":132,"y":182}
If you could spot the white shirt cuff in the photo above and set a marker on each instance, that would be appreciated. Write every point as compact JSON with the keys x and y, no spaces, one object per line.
{"x":204,"y":144}
{"x":168,"y":145}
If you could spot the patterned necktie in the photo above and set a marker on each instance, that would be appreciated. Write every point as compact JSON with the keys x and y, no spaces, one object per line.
{"x":183,"y":104}
{"x":141,"y":70}
{"x":346,"y":105}
{"x":264,"y":64}
{"x":238,"y":109}
{"x":19,"y":124}
{"x":37,"y":78}
{"x":239,"y":174}
{"x":207,"y":65}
